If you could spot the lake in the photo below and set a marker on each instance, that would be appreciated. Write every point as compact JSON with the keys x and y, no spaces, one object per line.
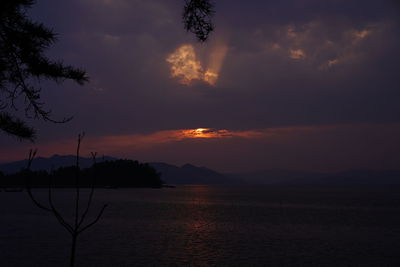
{"x":211,"y":226}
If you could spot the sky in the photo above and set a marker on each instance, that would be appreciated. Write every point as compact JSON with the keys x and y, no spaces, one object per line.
{"x":300,"y":85}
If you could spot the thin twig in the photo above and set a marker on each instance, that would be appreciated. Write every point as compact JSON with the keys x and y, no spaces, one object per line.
{"x":95,"y":221}
{"x":80,"y":137}
{"x":94,"y":154}
{"x":32,"y":154}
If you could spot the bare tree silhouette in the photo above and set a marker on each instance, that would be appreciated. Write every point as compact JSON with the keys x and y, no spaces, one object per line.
{"x":78,"y":225}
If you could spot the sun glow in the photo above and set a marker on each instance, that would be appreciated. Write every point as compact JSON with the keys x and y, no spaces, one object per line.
{"x":216,"y":59}
{"x":204,"y":133}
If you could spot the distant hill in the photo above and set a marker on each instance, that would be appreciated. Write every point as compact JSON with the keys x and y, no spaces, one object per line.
{"x":274,"y":176}
{"x":362,"y":177}
{"x":187,"y":174}
{"x":190,"y":174}
{"x":357,"y":177}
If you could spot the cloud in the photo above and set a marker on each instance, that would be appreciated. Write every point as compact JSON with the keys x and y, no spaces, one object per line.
{"x":112,"y":39}
{"x":132,"y":141}
{"x":186,"y":66}
{"x":214,"y":133}
{"x":315,"y":42}
{"x":361,"y":34}
{"x":297,"y":54}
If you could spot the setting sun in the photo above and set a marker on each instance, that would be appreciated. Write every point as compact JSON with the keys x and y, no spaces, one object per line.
{"x":204,"y":133}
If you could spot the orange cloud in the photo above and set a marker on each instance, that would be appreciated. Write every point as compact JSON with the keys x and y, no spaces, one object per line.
{"x":297,"y":54}
{"x":169,"y":136}
{"x":214,"y":133}
{"x":186,"y":66}
{"x":361,"y":34}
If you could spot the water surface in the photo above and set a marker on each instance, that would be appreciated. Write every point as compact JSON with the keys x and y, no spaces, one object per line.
{"x":211,"y":226}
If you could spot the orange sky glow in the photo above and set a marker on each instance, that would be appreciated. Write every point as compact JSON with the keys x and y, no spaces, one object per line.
{"x":271,"y":142}
{"x":113,"y":144}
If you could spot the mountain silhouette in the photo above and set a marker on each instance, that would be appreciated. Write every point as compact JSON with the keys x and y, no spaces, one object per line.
{"x":47,"y":164}
{"x":171,"y":174}
{"x":190,"y":174}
